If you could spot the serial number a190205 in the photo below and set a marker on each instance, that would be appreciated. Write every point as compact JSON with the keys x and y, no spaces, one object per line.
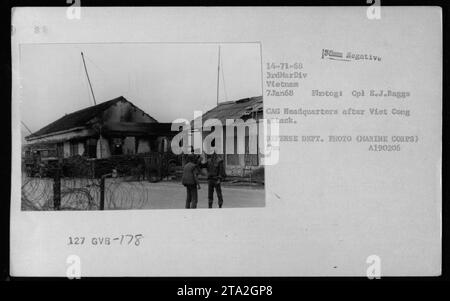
{"x":123,"y":239}
{"x":384,"y":147}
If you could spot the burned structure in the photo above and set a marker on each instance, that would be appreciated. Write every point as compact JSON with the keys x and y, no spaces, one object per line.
{"x":112,"y":128}
{"x":250,"y":111}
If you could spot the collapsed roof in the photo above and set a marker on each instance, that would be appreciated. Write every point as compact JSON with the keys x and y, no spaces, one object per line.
{"x":240,"y":109}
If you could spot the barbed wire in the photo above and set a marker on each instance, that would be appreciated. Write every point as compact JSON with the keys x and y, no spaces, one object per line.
{"x":84,"y":194}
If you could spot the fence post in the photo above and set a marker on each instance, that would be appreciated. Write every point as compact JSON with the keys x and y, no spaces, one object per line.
{"x":102,"y":193}
{"x":57,"y":190}
{"x":102,"y":187}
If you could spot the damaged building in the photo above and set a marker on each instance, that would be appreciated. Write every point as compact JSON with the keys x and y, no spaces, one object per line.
{"x":238,"y":164}
{"x":115,"y":127}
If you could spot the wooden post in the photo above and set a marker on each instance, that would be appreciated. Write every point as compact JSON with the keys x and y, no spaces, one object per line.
{"x":89,"y":81}
{"x":57,"y":190}
{"x":102,"y":187}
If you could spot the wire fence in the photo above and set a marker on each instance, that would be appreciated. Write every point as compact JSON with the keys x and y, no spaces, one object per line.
{"x":79,"y":184}
{"x":83,"y":194}
{"x":115,"y":184}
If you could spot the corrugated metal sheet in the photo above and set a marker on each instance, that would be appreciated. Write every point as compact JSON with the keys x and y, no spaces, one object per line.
{"x":243,"y":108}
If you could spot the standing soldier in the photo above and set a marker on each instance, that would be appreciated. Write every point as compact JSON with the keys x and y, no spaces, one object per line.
{"x":216,"y":173}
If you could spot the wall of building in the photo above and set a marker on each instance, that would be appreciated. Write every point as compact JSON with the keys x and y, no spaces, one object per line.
{"x":80,"y":148}
{"x":103,"y":150}
{"x":122,"y":111}
{"x":125,"y":112}
{"x":143,"y":146}
{"x":129,"y":146}
{"x":235,"y":163}
{"x":66,"y":149}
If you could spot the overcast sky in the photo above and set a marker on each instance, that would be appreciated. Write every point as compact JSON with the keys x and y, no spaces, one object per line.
{"x":168,"y":81}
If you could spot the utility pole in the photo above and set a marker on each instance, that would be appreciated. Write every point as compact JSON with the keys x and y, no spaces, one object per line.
{"x":26,"y":127}
{"x":87,"y":75}
{"x":218,"y":76}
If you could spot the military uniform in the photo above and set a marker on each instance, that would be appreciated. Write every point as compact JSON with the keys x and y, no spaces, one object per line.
{"x":190,"y":181}
{"x":216,"y":173}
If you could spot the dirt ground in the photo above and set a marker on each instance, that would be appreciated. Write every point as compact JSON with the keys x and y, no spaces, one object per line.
{"x":167,"y":195}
